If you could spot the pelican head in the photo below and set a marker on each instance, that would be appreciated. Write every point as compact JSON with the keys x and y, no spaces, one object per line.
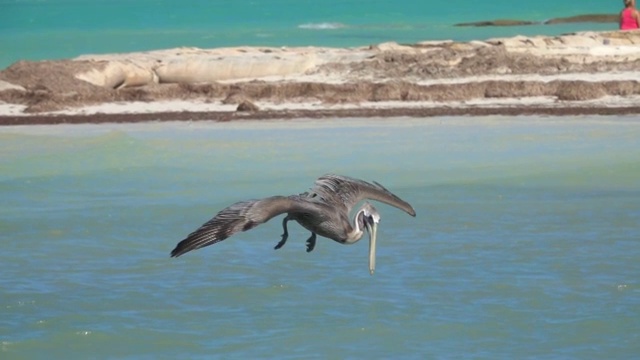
{"x":368,"y":218}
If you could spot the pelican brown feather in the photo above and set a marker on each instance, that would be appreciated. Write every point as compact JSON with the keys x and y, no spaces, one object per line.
{"x":324,"y":211}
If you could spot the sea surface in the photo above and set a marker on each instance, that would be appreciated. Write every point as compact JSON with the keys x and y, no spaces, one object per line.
{"x":526,"y":242}
{"x":53,"y":29}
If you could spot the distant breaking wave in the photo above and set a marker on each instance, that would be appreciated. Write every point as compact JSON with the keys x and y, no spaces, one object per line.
{"x":322,"y":26}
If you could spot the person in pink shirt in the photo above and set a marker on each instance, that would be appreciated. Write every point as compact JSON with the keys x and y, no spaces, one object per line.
{"x":629,"y":16}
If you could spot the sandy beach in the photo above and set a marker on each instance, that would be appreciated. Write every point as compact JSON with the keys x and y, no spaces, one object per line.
{"x":572,"y":74}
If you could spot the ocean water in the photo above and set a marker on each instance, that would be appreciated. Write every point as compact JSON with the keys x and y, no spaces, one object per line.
{"x":526,"y":242}
{"x":52,"y":29}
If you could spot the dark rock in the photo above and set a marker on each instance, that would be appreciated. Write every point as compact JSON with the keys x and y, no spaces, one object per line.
{"x":593,"y":18}
{"x":586,"y":18}
{"x":247,"y":106}
{"x":500,"y":22}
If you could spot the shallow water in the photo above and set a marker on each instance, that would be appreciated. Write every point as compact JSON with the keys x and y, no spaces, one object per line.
{"x":525,"y":244}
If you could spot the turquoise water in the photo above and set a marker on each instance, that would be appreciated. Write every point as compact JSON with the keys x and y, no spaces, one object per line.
{"x":36,"y":29}
{"x":526,"y":242}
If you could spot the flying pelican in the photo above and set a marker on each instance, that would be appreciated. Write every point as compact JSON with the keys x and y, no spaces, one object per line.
{"x":324,"y":211}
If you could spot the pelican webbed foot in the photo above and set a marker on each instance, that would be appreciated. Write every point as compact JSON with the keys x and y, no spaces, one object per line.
{"x":311,"y":242}
{"x":285,"y":235}
{"x":281,"y":242}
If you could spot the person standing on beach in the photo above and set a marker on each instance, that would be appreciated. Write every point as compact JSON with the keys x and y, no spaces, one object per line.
{"x":629,"y":16}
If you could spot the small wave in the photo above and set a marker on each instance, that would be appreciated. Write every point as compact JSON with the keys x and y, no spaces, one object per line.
{"x":322,"y":26}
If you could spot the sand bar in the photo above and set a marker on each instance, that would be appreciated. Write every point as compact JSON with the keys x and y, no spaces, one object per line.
{"x":577,"y":73}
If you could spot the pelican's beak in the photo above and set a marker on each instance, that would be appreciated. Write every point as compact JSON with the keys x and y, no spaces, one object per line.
{"x":373,"y":229}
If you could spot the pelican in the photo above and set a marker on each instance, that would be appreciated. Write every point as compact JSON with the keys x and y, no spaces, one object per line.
{"x":324,"y":211}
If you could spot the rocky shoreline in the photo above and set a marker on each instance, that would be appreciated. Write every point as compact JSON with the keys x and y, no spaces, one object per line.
{"x":572,"y":74}
{"x":586,"y":18}
{"x":223,"y":116}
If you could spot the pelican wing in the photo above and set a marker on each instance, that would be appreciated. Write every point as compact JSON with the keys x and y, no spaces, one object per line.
{"x":338,"y":190}
{"x":241,"y":216}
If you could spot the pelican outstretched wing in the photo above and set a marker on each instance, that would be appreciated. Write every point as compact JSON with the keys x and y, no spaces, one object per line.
{"x":241,"y":216}
{"x":337,"y":190}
